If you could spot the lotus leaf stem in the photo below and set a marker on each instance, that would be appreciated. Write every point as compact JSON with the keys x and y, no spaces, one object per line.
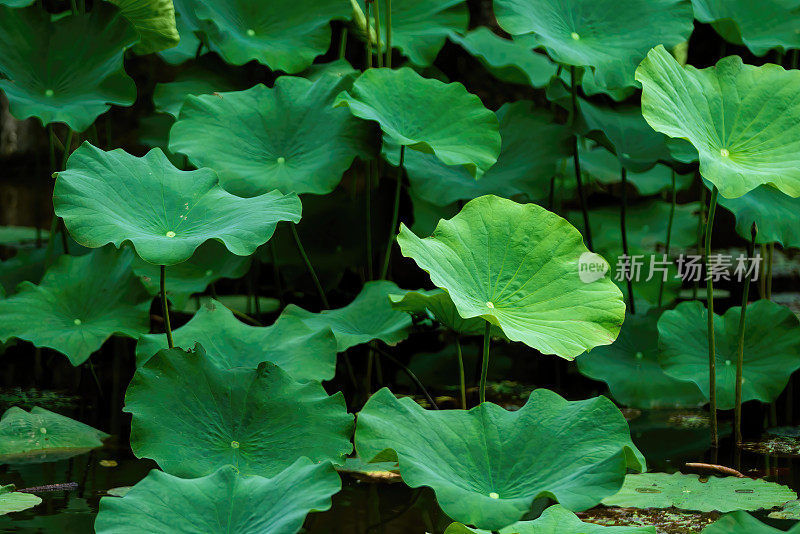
{"x":165,"y":306}
{"x":712,"y":362}
{"x":389,"y":33}
{"x":368,"y":38}
{"x":576,"y":158}
{"x":310,"y":268}
{"x":740,"y":345}
{"x":700,"y":225}
{"x":368,"y":223}
{"x":343,"y":43}
{"x":485,"y":365}
{"x":74,"y":5}
{"x":770,"y":256}
{"x":408,"y":372}
{"x":669,"y":234}
{"x":461,"y":380}
{"x":623,"y":230}
{"x":395,"y":213}
{"x":762,"y":275}
{"x":378,"y":44}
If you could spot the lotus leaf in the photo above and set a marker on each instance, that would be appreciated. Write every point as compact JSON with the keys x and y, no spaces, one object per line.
{"x":13,"y":501}
{"x":222,"y":502}
{"x":742,"y":119}
{"x":80,"y":303}
{"x":688,"y":492}
{"x":258,"y":420}
{"x":154,"y":20}
{"x":776,"y":215}
{"x":39,"y":58}
{"x":611,"y":37}
{"x":303,"y":353}
{"x":43,"y":436}
{"x":516,"y":266}
{"x":427,"y":115}
{"x":305,"y":147}
{"x":103,"y":198}
{"x":370,"y":316}
{"x":771,"y":349}
{"x":487,"y":465}
{"x":737,"y":522}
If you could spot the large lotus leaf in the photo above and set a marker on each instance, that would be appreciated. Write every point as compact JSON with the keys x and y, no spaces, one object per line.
{"x":739,"y":522}
{"x":303,"y":353}
{"x":631,"y":369}
{"x":169,"y":97}
{"x":487,"y":465}
{"x":554,"y":520}
{"x":776,"y":215}
{"x":743,"y":120}
{"x":516,"y":266}
{"x":427,"y":115}
{"x":154,"y":20}
{"x":533,"y":145}
{"x":14,"y":501}
{"x":509,"y":61}
{"x":688,"y":492}
{"x":288,"y":137}
{"x":771,"y":349}
{"x":610,"y":36}
{"x":439,"y":304}
{"x":166,"y":213}
{"x":761,"y":25}
{"x":43,"y":436}
{"x":187,"y":26}
{"x":39,"y":62}
{"x":223,"y":502}
{"x":281,"y":36}
{"x":192,"y":417}
{"x":80,"y":303}
{"x":370,"y":316}
{"x":209,"y":263}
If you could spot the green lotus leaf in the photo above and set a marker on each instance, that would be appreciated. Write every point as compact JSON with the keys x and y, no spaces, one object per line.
{"x":80,"y":303}
{"x":487,"y":465}
{"x":761,"y":26}
{"x":439,"y":304}
{"x":14,"y":501}
{"x":509,"y":61}
{"x":166,"y":213}
{"x":771,"y":349}
{"x":305,"y":148}
{"x":43,"y":436}
{"x":169,"y":97}
{"x":738,"y":522}
{"x":688,"y":492}
{"x":586,"y":78}
{"x":608,"y":36}
{"x":187,"y":26}
{"x":39,"y":58}
{"x":222,"y":502}
{"x":283,"y":37}
{"x":516,"y":266}
{"x":303,"y":353}
{"x":631,"y":369}
{"x":370,"y":316}
{"x":192,"y":417}
{"x":154,"y":21}
{"x":554,"y":520}
{"x":776,"y":215}
{"x":427,"y":115}
{"x":533,"y":145}
{"x":742,"y":119}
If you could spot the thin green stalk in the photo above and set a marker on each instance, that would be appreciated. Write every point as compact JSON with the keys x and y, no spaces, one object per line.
{"x":368,"y":224}
{"x":389,"y":33}
{"x":310,"y":267}
{"x":461,"y":380}
{"x":622,"y":214}
{"x":485,"y":364}
{"x":343,"y":43}
{"x":276,"y":271}
{"x":74,"y":5}
{"x":740,"y":345}
{"x":576,"y":157}
{"x":378,"y":44}
{"x":762,"y":274}
{"x":408,"y":372}
{"x":165,"y":306}
{"x":700,"y":225}
{"x":368,"y":38}
{"x":395,"y":214}
{"x":67,"y":148}
{"x":712,"y":356}
{"x":669,"y":235}
{"x":770,"y":256}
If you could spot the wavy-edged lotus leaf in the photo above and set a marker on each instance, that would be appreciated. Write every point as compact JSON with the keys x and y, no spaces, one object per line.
{"x":533,"y":146}
{"x":771,"y":349}
{"x":187,"y":26}
{"x":169,"y":97}
{"x":209,"y":263}
{"x":258,"y":420}
{"x":438,"y":304}
{"x":743,"y":120}
{"x":166,"y":213}
{"x":43,"y":436}
{"x":632,"y":371}
{"x":738,"y":522}
{"x":80,"y":303}
{"x":487,"y":465}
{"x":222,"y":502}
{"x":14,"y":501}
{"x":776,"y":215}
{"x":760,"y":26}
{"x":611,"y":37}
{"x":305,"y":146}
{"x":154,"y":21}
{"x":303,"y":353}
{"x":554,"y":520}
{"x":427,"y":115}
{"x":509,"y":61}
{"x":516,"y":266}
{"x":370,"y":316}
{"x":688,"y":492}
{"x":39,"y":58}
{"x":281,"y":36}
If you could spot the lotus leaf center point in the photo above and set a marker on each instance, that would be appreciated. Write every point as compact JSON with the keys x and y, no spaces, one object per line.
{"x":209,"y":272}
{"x":170,"y":234}
{"x":575,"y":36}
{"x":724,"y":153}
{"x":43,"y":430}
{"x":48,"y":93}
{"x":494,"y":495}
{"x":77,"y":322}
{"x":251,"y":32}
{"x":727,"y":362}
{"x":234,"y":444}
{"x":281,"y":160}
{"x":639,"y":356}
